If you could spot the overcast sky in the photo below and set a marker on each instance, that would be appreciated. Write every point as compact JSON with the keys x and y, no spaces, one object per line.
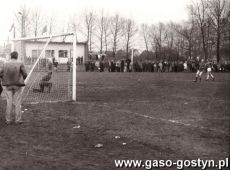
{"x":142,"y":11}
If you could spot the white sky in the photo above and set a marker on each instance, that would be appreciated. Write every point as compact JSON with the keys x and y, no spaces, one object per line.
{"x":142,"y":11}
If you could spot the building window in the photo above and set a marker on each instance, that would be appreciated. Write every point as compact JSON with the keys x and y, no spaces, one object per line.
{"x":49,"y":53}
{"x":63,"y":53}
{"x":36,"y":53}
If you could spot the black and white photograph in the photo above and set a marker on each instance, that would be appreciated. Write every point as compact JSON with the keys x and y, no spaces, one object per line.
{"x":114,"y":84}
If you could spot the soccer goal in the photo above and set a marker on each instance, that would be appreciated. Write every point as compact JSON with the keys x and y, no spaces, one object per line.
{"x":51,"y":66}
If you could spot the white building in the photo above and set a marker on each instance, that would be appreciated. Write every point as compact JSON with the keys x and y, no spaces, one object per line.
{"x":61,"y":51}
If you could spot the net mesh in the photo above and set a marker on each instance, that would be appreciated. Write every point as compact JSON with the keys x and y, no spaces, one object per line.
{"x":50,"y":79}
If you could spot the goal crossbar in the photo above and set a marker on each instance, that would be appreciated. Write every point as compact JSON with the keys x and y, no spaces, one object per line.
{"x":42,"y":37}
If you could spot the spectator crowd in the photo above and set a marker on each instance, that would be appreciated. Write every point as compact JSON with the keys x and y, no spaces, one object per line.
{"x":151,"y":66}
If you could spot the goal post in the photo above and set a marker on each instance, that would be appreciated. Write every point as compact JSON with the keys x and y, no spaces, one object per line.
{"x":74,"y":85}
{"x":62,"y":84}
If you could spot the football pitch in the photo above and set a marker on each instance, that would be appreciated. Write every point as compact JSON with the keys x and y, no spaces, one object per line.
{"x":138,"y":116}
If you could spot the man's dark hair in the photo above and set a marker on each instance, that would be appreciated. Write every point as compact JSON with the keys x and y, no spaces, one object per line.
{"x":14,"y":55}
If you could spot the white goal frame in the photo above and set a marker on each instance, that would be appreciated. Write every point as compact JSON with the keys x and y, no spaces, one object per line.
{"x":49,"y":37}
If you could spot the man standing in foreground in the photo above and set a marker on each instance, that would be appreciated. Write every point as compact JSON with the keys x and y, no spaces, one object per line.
{"x":13,"y":75}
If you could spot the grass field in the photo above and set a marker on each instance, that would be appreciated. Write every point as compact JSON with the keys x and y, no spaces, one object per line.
{"x":157,"y":115}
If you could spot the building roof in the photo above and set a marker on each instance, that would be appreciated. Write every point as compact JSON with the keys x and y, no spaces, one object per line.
{"x":55,"y":42}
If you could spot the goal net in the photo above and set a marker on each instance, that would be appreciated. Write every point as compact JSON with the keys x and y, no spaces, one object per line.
{"x":49,"y":63}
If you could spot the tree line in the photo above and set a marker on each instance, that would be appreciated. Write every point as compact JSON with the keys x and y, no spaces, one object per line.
{"x":205,"y":34}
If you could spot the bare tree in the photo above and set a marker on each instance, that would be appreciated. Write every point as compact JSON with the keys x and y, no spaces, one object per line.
{"x":169,"y":35}
{"x":216,"y":13}
{"x":157,"y":37}
{"x":130,"y":29}
{"x":200,"y":13}
{"x":36,"y":22}
{"x":152,"y":34}
{"x":107,"y":33}
{"x":100,"y":29}
{"x":186,"y":30}
{"x":145,"y":33}
{"x":116,"y":26}
{"x":89,"y":23}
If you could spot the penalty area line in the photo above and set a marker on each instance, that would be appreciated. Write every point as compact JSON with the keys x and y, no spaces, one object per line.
{"x":171,"y":121}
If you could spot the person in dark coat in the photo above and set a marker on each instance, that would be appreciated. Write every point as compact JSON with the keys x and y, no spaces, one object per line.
{"x":45,"y":82}
{"x":13,"y":75}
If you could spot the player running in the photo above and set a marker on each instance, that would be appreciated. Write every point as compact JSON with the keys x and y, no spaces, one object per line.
{"x":200,"y":70}
{"x":209,"y":72}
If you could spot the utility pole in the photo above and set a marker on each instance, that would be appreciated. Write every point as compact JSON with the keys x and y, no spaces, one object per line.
{"x":22,"y":43}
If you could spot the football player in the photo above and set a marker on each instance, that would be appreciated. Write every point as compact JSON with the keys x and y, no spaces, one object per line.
{"x":200,"y":71}
{"x":209,"y":72}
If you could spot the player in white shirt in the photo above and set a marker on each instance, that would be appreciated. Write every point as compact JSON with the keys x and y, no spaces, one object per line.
{"x":209,"y":72}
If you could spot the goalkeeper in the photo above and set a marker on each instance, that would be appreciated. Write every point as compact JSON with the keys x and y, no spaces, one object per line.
{"x":45,"y":82}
